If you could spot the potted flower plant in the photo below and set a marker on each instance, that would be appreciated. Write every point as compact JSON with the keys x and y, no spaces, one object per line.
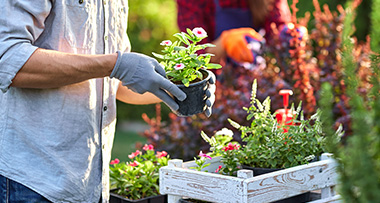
{"x":137,"y":180}
{"x":268,"y":145}
{"x":187,"y":68}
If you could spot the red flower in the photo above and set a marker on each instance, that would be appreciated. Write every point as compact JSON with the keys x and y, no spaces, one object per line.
{"x":148,"y":147}
{"x":231,"y":146}
{"x":116,"y":161}
{"x":161,"y":154}
{"x":217,"y":170}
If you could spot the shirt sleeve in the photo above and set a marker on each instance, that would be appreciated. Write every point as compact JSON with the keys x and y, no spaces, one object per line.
{"x":21,"y":23}
{"x":280,"y":14}
{"x":199,"y":14}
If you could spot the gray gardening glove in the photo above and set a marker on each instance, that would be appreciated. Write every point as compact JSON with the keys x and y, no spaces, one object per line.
{"x":210,"y":94}
{"x":141,"y":74}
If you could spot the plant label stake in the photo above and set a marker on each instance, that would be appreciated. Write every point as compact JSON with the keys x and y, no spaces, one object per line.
{"x":285,"y":116}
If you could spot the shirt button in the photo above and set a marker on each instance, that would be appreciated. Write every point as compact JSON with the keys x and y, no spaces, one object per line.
{"x":81,"y":1}
{"x":105,"y":37}
{"x":103,"y":146}
{"x":105,"y":108}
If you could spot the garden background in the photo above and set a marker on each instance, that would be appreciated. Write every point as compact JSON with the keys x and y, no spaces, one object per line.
{"x":152,"y":21}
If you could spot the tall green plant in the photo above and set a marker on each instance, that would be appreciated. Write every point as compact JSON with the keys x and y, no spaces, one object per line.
{"x":359,"y":155}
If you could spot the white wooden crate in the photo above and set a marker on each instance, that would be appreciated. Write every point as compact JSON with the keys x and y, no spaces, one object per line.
{"x":178,"y":181}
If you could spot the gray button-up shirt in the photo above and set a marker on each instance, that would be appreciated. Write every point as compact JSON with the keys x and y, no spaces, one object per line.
{"x":58,"y":141}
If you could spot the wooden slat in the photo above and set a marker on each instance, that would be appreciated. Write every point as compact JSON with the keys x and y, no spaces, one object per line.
{"x":178,"y":180}
{"x":293,"y":181}
{"x":201,"y":185}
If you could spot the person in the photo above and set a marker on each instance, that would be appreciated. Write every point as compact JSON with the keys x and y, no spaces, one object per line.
{"x":234,"y":25}
{"x":63,"y":64}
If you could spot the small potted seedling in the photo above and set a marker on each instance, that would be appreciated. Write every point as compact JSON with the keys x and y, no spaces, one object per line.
{"x":188,"y":69}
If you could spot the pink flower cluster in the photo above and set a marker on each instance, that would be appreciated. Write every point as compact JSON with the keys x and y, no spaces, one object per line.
{"x":204,"y":155}
{"x":148,"y":147}
{"x":134,"y":154}
{"x":161,"y":154}
{"x":231,"y":146}
{"x":134,"y":163}
{"x":116,"y":161}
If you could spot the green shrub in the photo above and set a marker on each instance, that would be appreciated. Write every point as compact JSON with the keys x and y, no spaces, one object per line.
{"x":358,"y":155}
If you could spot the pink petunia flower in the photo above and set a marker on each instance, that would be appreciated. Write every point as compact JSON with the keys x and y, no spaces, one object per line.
{"x":148,"y":147}
{"x":166,"y":43}
{"x":161,"y":154}
{"x":134,"y":154}
{"x":135,"y":163}
{"x":179,"y":66}
{"x":218,"y":169}
{"x":199,"y":32}
{"x":204,"y":155}
{"x":116,"y":161}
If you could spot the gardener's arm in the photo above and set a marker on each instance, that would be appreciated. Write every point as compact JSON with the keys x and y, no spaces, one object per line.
{"x":140,"y":73}
{"x":52,"y":69}
{"x":128,"y":96}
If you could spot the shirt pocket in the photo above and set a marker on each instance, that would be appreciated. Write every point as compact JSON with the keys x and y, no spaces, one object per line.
{"x":79,"y":25}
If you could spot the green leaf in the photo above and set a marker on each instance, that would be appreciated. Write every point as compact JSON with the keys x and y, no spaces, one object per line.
{"x":190,"y":32}
{"x":186,"y":82}
{"x":179,"y":48}
{"x":213,"y":66}
{"x":207,"y":45}
{"x":158,"y":55}
{"x":234,"y":124}
{"x":187,"y":36}
{"x":182,"y":38}
{"x":205,"y":137}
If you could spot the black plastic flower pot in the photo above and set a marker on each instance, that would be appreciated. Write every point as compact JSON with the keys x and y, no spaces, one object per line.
{"x":114,"y":198}
{"x":195,"y":101}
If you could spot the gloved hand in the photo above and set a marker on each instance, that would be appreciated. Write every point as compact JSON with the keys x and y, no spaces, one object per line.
{"x":240,"y":43}
{"x":141,"y":74}
{"x":210,"y":94}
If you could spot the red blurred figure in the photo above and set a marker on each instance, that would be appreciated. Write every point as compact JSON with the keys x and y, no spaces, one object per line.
{"x":223,"y":18}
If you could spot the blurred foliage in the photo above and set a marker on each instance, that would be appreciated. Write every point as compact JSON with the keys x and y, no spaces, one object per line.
{"x":149,"y":23}
{"x":297,"y":63}
{"x":152,"y":21}
{"x":359,"y":153}
{"x":361,"y":22}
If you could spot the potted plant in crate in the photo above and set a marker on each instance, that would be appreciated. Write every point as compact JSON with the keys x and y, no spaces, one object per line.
{"x":137,"y":180}
{"x":268,"y":145}
{"x":187,"y":68}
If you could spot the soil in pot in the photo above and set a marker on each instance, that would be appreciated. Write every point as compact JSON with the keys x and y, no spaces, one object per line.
{"x":195,"y":101}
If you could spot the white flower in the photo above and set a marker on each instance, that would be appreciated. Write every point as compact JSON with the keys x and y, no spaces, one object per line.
{"x":199,"y":32}
{"x":225,"y":131}
{"x":179,"y":66}
{"x":166,"y":43}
